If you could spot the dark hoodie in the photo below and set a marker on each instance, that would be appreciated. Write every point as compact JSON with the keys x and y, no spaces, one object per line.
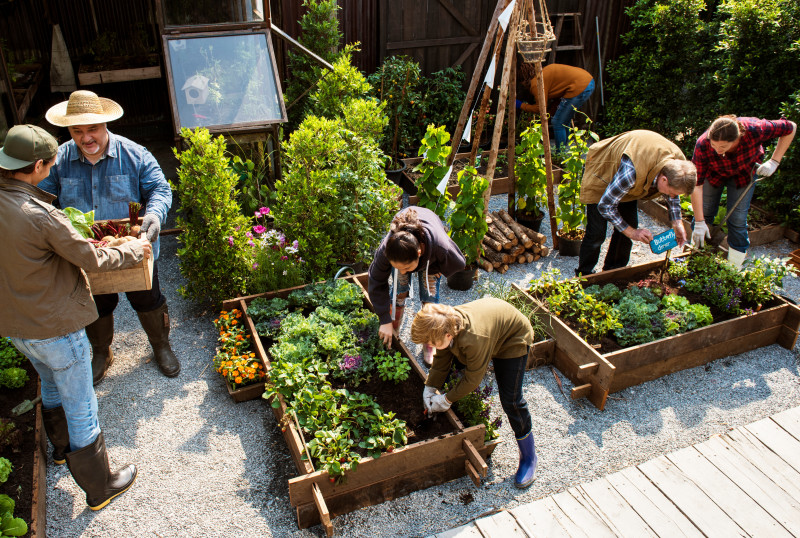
{"x":441,"y":255}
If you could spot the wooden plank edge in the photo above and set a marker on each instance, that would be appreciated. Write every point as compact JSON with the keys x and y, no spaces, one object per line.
{"x":322,"y":509}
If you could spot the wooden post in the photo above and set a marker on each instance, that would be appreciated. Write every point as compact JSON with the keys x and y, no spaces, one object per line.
{"x":548,"y":159}
{"x":476,"y":77}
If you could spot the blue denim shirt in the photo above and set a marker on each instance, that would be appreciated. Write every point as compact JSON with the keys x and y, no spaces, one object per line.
{"x":126,"y":173}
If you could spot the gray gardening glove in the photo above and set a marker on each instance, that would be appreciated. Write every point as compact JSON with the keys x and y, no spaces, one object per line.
{"x":700,"y":234}
{"x":427,"y":395}
{"x":439,"y":403}
{"x":767,"y":169}
{"x":151,"y":226}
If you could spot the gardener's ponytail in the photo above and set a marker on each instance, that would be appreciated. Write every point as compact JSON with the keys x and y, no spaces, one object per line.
{"x":406,"y":234}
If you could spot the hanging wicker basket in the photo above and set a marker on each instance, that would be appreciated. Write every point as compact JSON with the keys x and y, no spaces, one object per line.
{"x":533,"y":48}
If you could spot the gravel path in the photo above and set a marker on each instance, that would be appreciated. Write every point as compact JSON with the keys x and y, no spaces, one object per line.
{"x":209,"y":467}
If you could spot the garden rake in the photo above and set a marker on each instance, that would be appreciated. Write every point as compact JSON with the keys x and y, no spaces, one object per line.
{"x":717,"y":234}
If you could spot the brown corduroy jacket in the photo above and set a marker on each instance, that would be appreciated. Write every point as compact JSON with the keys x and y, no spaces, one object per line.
{"x":43,"y":289}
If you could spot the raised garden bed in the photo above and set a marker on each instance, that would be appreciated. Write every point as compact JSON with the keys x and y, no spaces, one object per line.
{"x":27,"y":483}
{"x":434,"y":454}
{"x":596,"y":374}
{"x":761,"y":229}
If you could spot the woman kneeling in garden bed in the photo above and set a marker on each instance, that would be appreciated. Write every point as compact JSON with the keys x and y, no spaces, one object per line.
{"x":471,"y":335}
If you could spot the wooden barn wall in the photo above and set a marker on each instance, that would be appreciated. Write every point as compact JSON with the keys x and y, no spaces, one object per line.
{"x":24,"y":30}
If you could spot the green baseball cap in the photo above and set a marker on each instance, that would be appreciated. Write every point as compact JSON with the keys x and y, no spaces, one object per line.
{"x":26,"y":144}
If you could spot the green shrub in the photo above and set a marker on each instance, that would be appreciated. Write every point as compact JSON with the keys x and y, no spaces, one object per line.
{"x":334,"y":196}
{"x":338,"y":87}
{"x":530,"y":170}
{"x":9,"y":355}
{"x":434,"y":151}
{"x":467,"y":221}
{"x":13,"y":378}
{"x":215,"y":258}
{"x":443,"y":98}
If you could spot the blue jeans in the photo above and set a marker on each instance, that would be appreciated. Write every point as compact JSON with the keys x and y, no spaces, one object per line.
{"x":566,"y":111}
{"x":510,"y":373}
{"x":737,"y":221}
{"x":619,"y":249}
{"x":404,"y":285}
{"x":64,"y":364}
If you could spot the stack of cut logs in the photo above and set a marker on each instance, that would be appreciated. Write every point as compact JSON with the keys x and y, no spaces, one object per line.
{"x":507,"y":242}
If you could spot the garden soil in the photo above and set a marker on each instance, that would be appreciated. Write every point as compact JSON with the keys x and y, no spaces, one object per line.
{"x":209,"y":467}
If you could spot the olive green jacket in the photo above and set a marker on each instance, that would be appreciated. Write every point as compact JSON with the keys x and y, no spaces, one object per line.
{"x":493,"y":329}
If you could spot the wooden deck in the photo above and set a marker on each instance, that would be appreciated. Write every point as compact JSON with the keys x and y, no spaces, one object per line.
{"x":743,"y":483}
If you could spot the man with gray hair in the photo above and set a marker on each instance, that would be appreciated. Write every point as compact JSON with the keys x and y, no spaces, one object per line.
{"x":635,"y":165}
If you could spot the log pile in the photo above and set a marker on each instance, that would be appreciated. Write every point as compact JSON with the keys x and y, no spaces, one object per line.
{"x":508,"y":242}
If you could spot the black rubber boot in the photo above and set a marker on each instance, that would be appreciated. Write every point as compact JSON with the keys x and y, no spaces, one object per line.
{"x":89,"y":468}
{"x":156,"y":325}
{"x":55,"y":425}
{"x":101,"y":333}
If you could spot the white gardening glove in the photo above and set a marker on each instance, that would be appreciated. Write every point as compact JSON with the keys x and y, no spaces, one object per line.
{"x":427,"y":395}
{"x":700,"y":234}
{"x":439,"y":403}
{"x":767,"y":169}
{"x":151,"y":226}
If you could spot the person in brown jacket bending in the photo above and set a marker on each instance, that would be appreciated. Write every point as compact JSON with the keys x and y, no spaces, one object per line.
{"x":636,"y":165}
{"x":571,"y":86}
{"x":471,"y":335}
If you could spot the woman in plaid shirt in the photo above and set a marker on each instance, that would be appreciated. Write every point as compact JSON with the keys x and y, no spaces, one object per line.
{"x":728,"y":155}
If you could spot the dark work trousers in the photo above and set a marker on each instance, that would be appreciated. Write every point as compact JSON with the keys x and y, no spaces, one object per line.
{"x":510,"y":373}
{"x":141,"y":301}
{"x":619,"y":249}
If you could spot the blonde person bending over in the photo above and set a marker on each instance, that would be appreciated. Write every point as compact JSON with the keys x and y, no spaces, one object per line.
{"x":470,"y":336}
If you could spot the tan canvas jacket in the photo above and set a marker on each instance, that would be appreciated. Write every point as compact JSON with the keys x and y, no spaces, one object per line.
{"x":43,"y":289}
{"x":648,"y":151}
{"x":492,"y":329}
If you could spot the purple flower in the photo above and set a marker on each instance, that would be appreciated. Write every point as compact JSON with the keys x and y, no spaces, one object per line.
{"x":248,"y":234}
{"x":259,"y":229}
{"x":230,"y":240}
{"x":295,"y":244}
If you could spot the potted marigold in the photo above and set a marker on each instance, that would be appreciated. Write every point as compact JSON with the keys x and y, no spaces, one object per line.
{"x":243,"y":372}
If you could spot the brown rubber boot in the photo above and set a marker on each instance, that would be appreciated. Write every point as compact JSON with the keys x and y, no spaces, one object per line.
{"x":55,"y":425}
{"x":398,"y":317}
{"x":101,"y":333}
{"x":156,"y":325}
{"x":89,"y":468}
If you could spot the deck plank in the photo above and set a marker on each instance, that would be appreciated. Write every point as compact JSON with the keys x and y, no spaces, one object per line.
{"x":581,"y":513}
{"x":784,"y":508}
{"x":500,"y":524}
{"x":726,"y":494}
{"x":614,"y":509}
{"x":789,"y":420}
{"x":652,"y":506}
{"x":690,"y":499}
{"x":537,"y":520}
{"x":765,"y":460}
{"x":465,"y":531}
{"x":778,"y":440}
{"x":564,"y":520}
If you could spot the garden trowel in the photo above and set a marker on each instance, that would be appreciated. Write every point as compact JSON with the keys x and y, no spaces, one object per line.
{"x":25,"y":406}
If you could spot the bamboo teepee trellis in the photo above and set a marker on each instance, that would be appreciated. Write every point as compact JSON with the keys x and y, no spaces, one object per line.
{"x":532,"y":35}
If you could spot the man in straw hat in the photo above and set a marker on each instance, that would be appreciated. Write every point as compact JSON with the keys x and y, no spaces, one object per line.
{"x":100,"y":171}
{"x":47,"y":303}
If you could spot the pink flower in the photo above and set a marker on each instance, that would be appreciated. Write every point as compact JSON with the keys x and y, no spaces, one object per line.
{"x":255,"y":265}
{"x":295,"y":244}
{"x":264,"y":211}
{"x":259,"y":229}
{"x":251,"y":243}
{"x":284,"y":257}
{"x":248,"y":234}
{"x":230,"y":240}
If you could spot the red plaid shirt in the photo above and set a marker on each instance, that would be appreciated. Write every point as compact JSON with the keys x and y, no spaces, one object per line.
{"x":737,"y":164}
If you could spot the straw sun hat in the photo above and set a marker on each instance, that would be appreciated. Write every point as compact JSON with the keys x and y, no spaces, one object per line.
{"x":83,"y":108}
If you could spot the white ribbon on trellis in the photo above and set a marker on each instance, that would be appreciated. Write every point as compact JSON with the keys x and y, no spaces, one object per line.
{"x":505,"y":16}
{"x":443,"y":183}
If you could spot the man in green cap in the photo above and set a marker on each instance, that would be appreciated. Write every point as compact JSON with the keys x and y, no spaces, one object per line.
{"x":47,"y":303}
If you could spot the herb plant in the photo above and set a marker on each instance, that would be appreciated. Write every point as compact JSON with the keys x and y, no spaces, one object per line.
{"x":467,"y":221}
{"x":392,"y":366}
{"x":570,"y":212}
{"x":13,"y":378}
{"x":434,"y":150}
{"x":530,"y":170}
{"x":475,"y":407}
{"x":10,"y":525}
{"x":9,"y":355}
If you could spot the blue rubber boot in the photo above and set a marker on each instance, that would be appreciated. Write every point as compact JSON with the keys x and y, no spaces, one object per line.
{"x":527,"y":462}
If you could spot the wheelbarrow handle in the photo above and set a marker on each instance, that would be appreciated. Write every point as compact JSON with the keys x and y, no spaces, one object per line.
{"x":741,"y":197}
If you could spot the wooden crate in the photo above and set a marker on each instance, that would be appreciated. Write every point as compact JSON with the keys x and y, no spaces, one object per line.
{"x":413,"y":467}
{"x":660,"y":213}
{"x":794,"y":259}
{"x":595,"y":375}
{"x":136,"y":278}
